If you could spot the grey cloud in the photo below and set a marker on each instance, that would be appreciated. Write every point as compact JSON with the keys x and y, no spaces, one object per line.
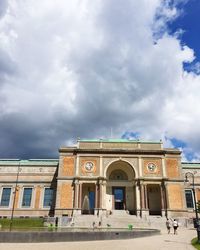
{"x":22,"y":138}
{"x":7,"y":66}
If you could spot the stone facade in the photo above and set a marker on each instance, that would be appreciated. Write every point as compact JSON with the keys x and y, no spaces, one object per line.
{"x":99,"y":176}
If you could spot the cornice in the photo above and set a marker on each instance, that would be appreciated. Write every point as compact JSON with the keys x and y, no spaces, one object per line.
{"x":120,"y":151}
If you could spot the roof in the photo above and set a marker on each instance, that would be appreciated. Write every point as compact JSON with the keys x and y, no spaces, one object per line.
{"x":30,"y":162}
{"x":118,"y":141}
{"x":190,"y":164}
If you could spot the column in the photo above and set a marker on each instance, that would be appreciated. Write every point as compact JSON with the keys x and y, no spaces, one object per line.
{"x":140,"y":166}
{"x":163,"y":167}
{"x":77,"y":165}
{"x":96,"y":195}
{"x":100,"y":194}
{"x":143,"y":197}
{"x":142,"y":201}
{"x":103,"y":195}
{"x":164,"y":199}
{"x":80,"y":196}
{"x":137,"y":194}
{"x":101,"y":166}
{"x":146,"y":197}
{"x":76,"y":198}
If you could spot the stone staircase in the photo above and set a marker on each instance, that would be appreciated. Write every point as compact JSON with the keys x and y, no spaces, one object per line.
{"x":117,"y":220}
{"x":121,"y":219}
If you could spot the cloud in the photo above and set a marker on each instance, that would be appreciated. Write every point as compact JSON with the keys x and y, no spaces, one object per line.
{"x":76,"y":69}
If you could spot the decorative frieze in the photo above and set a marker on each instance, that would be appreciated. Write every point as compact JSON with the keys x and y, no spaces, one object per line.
{"x":31,"y":170}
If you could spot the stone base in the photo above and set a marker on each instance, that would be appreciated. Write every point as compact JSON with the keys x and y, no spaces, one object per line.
{"x":177,"y":213}
{"x":164,"y":213}
{"x":77,"y":212}
{"x":144,"y":213}
{"x":138,"y":213}
{"x":98,"y":212}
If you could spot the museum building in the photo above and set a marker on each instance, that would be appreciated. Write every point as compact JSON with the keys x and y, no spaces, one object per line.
{"x":98,"y":177}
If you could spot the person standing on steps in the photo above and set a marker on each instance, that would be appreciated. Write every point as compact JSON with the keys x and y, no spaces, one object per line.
{"x":168,"y":225}
{"x":175,"y":226}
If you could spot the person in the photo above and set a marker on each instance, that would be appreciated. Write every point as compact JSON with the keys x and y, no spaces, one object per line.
{"x":168,"y":225}
{"x":175,"y":226}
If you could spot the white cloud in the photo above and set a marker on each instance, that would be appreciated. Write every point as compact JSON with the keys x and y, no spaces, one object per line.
{"x":78,"y":68}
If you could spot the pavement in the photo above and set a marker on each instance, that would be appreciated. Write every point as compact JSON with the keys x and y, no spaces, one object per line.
{"x":163,"y":241}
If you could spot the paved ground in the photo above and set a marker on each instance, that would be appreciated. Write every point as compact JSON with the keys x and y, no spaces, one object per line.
{"x":159,"y":242}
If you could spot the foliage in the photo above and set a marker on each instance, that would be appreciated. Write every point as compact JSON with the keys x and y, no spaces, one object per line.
{"x":195,"y":243}
{"x":22,"y":222}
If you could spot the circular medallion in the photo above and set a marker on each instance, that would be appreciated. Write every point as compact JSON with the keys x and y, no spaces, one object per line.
{"x":151,"y":167}
{"x":89,"y":166}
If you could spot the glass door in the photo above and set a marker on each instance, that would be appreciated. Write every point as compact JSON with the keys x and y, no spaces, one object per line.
{"x":119,"y":198}
{"x":91,"y":201}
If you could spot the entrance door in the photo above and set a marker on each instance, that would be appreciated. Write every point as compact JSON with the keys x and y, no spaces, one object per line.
{"x":91,"y":201}
{"x":119,"y":198}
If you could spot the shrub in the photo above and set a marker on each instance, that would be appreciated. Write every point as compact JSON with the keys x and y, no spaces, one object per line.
{"x":195,"y":243}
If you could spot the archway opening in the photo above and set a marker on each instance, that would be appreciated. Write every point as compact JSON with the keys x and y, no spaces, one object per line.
{"x":120,"y":189}
{"x":88,"y":198}
{"x":154,"y":199}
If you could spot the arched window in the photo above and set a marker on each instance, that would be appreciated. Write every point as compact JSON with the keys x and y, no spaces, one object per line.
{"x":118,"y":174}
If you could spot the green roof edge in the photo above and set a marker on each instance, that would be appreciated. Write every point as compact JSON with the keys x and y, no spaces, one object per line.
{"x":28,"y":161}
{"x":118,"y":140}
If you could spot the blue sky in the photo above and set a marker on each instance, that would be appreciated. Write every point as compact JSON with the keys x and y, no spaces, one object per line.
{"x":188,"y":21}
{"x":76,"y":69}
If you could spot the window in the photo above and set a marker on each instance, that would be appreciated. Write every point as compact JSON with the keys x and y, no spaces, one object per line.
{"x":27,"y":195}
{"x":189,"y":198}
{"x":48,"y":197}
{"x":5,"y":197}
{"x":118,"y":175}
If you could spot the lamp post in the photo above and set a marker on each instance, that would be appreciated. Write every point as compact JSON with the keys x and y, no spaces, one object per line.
{"x":187,"y":175}
{"x":14,"y":198}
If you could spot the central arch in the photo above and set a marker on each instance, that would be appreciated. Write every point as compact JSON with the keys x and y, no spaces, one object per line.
{"x":120,"y":188}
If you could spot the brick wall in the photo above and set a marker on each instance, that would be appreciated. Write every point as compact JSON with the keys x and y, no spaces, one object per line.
{"x":68,"y":168}
{"x":172,"y":168}
{"x":17,"y":197}
{"x":37,"y":197}
{"x":197,"y":194}
{"x":175,"y":196}
{"x":66,"y":195}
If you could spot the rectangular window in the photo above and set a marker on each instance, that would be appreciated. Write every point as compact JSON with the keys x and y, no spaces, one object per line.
{"x":189,"y":198}
{"x":5,"y":197}
{"x":27,"y":196}
{"x":48,"y":197}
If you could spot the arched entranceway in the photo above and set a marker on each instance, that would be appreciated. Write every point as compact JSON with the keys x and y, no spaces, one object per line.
{"x":120,"y":187}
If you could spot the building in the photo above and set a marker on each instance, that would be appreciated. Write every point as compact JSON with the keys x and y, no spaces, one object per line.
{"x":98,"y":177}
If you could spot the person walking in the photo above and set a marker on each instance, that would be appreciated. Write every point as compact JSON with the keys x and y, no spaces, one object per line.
{"x":175,"y":226}
{"x":168,"y":225}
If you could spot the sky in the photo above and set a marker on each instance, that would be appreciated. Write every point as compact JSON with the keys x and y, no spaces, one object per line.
{"x":98,"y":69}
